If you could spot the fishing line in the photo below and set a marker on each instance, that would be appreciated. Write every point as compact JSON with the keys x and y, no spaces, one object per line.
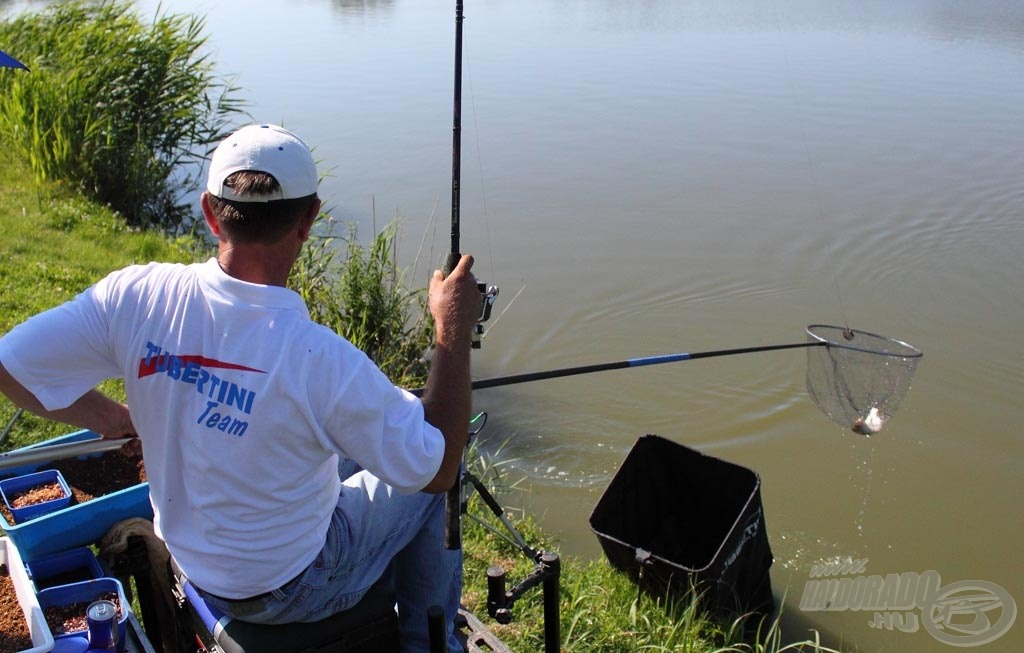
{"x":483,"y":190}
{"x":812,"y":173}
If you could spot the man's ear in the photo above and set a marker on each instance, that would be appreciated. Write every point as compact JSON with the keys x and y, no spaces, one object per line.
{"x":306,"y":223}
{"x":208,"y":214}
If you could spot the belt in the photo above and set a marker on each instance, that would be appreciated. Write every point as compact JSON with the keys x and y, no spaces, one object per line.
{"x":248,"y":599}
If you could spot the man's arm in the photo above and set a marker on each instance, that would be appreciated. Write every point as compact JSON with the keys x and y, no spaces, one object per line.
{"x":455,"y":304}
{"x":93,"y":410}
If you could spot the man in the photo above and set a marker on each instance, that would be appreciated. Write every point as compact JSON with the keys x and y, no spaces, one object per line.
{"x":246,"y":410}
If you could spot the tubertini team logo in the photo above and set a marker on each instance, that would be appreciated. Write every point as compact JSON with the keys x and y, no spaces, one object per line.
{"x":965,"y":613}
{"x":226,"y":405}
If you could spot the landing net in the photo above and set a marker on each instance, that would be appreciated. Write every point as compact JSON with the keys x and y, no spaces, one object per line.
{"x":858,"y":378}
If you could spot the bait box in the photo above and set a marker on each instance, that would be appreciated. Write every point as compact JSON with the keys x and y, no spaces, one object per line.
{"x":11,"y":487}
{"x":72,"y":566}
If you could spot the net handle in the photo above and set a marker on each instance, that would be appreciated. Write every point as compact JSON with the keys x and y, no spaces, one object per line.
{"x":514,"y":379}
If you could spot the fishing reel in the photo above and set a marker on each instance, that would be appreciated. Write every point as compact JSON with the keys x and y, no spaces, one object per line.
{"x":488,"y":295}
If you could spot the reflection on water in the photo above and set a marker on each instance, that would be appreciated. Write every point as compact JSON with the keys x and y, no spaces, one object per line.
{"x":670,"y":176}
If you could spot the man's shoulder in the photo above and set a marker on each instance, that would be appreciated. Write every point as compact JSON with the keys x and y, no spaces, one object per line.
{"x":139,"y":276}
{"x":142,"y":271}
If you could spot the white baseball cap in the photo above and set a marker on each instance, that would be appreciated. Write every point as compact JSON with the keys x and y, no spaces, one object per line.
{"x":264,"y":148}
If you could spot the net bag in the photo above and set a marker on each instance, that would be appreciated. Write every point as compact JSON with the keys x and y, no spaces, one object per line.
{"x":858,"y":378}
{"x":675,"y":520}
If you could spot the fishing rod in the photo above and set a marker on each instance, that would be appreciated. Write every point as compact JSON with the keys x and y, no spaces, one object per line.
{"x":453,"y":498}
{"x":10,"y":425}
{"x":454,"y":252}
{"x":453,"y":529}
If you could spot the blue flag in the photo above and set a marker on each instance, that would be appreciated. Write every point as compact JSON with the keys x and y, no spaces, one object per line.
{"x":7,"y":61}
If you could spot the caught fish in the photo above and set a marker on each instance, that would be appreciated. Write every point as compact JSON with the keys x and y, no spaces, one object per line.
{"x":870,"y":424}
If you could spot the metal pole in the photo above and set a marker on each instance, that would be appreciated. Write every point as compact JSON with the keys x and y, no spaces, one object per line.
{"x":58,"y":451}
{"x":552,"y":620}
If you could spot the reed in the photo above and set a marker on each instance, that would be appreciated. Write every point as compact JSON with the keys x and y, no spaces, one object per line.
{"x":123,"y":110}
{"x":360,"y":292}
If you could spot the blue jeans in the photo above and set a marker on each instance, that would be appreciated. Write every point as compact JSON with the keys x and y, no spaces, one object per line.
{"x":374,"y":530}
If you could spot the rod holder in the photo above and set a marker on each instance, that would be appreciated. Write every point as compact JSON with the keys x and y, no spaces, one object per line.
{"x":546,"y":573}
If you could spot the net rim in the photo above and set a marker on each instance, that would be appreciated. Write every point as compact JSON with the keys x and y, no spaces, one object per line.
{"x":910,"y":351}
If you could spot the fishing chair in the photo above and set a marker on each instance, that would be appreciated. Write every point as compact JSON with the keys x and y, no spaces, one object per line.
{"x":369,"y":627}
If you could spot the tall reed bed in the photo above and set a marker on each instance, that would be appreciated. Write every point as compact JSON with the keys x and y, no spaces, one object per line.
{"x":122,"y":109}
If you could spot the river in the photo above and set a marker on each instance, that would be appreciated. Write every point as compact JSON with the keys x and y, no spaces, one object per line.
{"x":645,"y":178}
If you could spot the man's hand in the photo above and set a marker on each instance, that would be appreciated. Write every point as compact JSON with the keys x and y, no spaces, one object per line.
{"x":93,"y":410}
{"x":455,"y":304}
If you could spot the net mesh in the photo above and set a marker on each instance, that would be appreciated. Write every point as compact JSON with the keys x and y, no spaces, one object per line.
{"x":857,"y":378}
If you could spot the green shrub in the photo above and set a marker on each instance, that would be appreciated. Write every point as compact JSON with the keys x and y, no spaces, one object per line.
{"x":364,"y":297}
{"x":119,"y":108}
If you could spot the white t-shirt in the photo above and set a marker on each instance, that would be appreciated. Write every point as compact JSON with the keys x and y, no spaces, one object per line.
{"x":243,"y":406}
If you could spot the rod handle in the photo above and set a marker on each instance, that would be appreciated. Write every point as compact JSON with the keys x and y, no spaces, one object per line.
{"x":453,"y":516}
{"x":453,"y":498}
{"x":451,"y":262}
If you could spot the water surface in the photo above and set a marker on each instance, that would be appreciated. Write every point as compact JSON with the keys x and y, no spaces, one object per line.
{"x":666,"y":176}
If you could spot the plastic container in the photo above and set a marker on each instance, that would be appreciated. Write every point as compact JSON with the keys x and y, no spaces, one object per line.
{"x":77,"y":525}
{"x":84,"y":593}
{"x":73,"y":566}
{"x":674,"y":518}
{"x":12,"y":487}
{"x":42,"y":638}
